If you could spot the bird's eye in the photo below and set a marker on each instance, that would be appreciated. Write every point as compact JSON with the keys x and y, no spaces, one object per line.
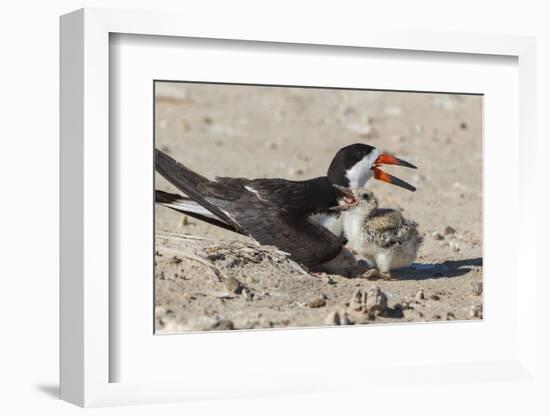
{"x":365,"y":197}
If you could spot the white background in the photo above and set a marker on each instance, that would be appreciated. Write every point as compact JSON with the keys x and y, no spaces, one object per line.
{"x":29,"y":210}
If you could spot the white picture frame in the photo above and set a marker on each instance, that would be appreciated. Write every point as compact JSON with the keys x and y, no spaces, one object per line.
{"x":87,"y":356}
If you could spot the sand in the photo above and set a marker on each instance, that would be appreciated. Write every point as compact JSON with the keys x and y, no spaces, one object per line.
{"x":210,"y":279}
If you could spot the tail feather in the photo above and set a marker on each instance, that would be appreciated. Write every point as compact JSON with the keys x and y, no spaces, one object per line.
{"x":189,"y":207}
{"x":188,"y":181}
{"x":162,"y":197}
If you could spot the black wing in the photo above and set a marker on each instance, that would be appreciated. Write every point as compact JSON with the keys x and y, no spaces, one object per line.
{"x":307,"y":242}
{"x":300,"y":198}
{"x":272,"y":211}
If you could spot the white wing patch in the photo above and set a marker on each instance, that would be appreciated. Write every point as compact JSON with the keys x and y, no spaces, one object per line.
{"x":190,"y":206}
{"x":250,"y":189}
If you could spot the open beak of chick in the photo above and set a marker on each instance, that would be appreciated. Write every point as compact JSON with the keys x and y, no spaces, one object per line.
{"x":347,"y":201}
{"x":385,"y":159}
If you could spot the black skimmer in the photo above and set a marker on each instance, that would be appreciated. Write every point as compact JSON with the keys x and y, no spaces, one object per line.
{"x":386,"y":239}
{"x":352,"y":167}
{"x":272,"y":211}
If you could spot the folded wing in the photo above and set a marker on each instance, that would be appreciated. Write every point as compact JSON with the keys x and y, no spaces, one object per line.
{"x":265,"y":209}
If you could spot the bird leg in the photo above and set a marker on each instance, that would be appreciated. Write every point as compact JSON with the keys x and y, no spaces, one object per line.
{"x":375,"y":274}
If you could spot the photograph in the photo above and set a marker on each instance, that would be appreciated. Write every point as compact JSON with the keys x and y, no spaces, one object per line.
{"x":305,"y":206}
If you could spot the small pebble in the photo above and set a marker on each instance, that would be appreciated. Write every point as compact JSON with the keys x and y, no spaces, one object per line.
{"x":450,"y":316}
{"x":419,"y":295}
{"x":295,"y":172}
{"x":475,"y":311}
{"x":369,"y":301}
{"x":338,"y":318}
{"x":358,"y":300}
{"x":223,"y":325}
{"x":397,"y":311}
{"x":454,"y":246}
{"x":437,"y":236}
{"x":434,"y":297}
{"x":330,"y":280}
{"x":333,"y":318}
{"x":449,"y":230}
{"x":477,"y":288}
{"x":376,"y":300}
{"x":463,"y":125}
{"x":247,"y":294}
{"x":318,"y":302}
{"x":233,"y":285}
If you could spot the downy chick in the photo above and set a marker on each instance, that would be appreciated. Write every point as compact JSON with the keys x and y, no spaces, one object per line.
{"x":386,"y":239}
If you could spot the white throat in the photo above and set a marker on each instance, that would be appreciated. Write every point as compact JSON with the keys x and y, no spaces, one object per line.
{"x":361,"y":172}
{"x":353,"y":228}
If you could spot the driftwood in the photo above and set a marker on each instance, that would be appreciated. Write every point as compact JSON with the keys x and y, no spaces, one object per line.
{"x":173,"y":242}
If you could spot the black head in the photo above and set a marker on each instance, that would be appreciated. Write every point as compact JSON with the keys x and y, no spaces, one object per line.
{"x":345,"y":159}
{"x":355,"y":164}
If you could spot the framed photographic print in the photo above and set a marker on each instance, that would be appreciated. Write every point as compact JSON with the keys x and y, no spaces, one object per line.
{"x":274,"y":213}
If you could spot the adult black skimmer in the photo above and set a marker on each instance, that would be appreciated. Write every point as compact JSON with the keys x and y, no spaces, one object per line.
{"x":352,"y":167}
{"x":383,"y":236}
{"x":272,"y":211}
{"x":280,"y":212}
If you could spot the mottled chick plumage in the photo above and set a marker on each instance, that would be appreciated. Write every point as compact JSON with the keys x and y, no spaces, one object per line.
{"x":383,"y":236}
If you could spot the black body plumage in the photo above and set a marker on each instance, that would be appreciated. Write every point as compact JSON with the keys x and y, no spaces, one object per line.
{"x":272,"y":211}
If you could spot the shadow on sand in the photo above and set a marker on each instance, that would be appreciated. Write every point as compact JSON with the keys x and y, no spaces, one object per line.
{"x":418,"y":271}
{"x":447,"y":269}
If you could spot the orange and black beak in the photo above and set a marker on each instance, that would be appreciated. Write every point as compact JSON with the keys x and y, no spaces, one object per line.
{"x":385,"y":159}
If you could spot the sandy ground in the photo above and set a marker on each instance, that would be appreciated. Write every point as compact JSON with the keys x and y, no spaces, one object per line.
{"x":213,"y":279}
